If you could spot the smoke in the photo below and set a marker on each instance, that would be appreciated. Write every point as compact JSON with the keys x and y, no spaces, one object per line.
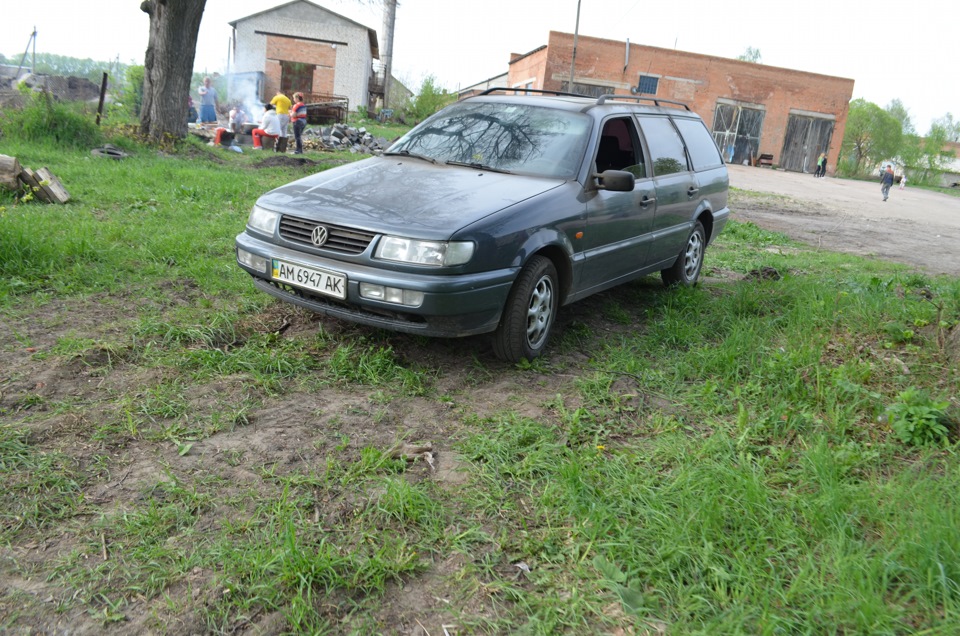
{"x":245,"y":90}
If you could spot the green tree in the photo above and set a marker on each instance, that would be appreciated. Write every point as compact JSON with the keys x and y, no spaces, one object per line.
{"x":750,"y":55}
{"x":935,"y":154}
{"x":950,"y":127}
{"x":911,"y":153}
{"x":133,"y":88}
{"x":872,"y":135}
{"x":427,"y":101}
{"x":51,"y":64}
{"x":902,"y":113}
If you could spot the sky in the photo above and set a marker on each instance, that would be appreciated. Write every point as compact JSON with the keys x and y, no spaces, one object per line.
{"x":892,"y":50}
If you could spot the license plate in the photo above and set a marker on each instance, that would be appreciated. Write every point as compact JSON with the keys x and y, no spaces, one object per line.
{"x":318,"y":280}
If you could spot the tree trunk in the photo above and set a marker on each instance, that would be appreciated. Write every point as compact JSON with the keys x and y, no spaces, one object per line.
{"x":9,"y":172}
{"x":168,"y":66}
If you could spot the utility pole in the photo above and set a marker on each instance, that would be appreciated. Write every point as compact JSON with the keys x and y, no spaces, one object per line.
{"x":573,"y":59}
{"x":386,"y":55}
{"x":33,"y":62}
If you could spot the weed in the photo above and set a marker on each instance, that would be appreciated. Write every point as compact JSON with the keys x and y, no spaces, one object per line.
{"x":918,"y":420}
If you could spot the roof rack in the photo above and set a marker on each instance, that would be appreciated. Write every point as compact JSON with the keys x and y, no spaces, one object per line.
{"x":539,"y":91}
{"x":638,"y":98}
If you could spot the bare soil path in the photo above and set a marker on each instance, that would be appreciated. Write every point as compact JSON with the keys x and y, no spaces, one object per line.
{"x":915,"y":227}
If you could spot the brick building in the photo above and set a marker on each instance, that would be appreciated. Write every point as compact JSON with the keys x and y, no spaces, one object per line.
{"x":301,"y":46}
{"x":755,"y":111}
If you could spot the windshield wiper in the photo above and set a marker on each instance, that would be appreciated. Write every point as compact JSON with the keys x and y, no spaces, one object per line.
{"x":407,"y":153}
{"x":478,"y":166}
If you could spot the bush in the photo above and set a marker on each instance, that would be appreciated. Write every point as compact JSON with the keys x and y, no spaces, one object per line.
{"x":918,"y":420}
{"x":44,"y":119}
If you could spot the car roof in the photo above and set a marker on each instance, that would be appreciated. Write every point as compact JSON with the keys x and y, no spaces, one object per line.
{"x":582,"y":103}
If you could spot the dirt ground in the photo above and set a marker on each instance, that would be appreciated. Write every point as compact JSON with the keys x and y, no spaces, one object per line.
{"x":913,"y":226}
{"x":62,"y":400}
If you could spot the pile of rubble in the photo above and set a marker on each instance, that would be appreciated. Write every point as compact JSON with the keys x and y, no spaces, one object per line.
{"x":342,"y":137}
{"x":67,"y":89}
{"x":334,"y":138}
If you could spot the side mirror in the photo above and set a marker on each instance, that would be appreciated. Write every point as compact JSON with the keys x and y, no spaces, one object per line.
{"x":615,"y":180}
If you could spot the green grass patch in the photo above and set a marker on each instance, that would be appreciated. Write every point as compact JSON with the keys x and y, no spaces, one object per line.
{"x":754,"y":455}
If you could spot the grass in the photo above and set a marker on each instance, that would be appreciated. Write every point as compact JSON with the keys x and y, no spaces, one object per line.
{"x":715,"y":460}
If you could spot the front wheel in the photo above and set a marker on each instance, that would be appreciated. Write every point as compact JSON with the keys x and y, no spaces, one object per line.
{"x":686,"y":270}
{"x":529,"y":313}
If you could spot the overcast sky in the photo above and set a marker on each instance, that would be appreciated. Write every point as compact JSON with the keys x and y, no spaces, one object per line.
{"x":893,"y":50}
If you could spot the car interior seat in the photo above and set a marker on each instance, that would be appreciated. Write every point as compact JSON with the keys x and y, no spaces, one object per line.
{"x":608,"y":153}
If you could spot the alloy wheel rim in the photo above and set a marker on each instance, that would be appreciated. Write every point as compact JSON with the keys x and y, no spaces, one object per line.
{"x":692,"y":256}
{"x":540,"y":312}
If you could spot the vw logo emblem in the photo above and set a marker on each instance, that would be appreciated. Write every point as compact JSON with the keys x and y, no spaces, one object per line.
{"x":319,"y":235}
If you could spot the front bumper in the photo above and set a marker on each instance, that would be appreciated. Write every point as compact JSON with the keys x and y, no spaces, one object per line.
{"x":453,"y":306}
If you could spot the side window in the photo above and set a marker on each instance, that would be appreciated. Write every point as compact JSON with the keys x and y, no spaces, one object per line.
{"x":666,"y":147}
{"x":700,"y":144}
{"x":619,"y":148}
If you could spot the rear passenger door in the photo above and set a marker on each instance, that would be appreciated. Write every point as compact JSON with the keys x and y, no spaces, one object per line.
{"x":676,"y":188}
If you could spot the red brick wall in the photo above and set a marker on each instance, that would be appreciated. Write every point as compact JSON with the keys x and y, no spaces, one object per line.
{"x":698,"y":80}
{"x":531,"y":66}
{"x":287,"y":49}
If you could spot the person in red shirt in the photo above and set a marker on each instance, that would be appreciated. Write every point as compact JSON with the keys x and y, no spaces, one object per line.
{"x":298,"y":115}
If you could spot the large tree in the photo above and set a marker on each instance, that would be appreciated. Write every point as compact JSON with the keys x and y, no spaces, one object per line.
{"x":872,"y":134}
{"x":902,"y":114}
{"x":168,"y":65}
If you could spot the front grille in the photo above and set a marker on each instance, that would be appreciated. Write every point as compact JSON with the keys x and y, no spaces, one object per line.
{"x":339,"y":239}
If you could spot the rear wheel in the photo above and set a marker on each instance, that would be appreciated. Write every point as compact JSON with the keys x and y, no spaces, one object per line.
{"x":686,"y":270}
{"x":529,"y":313}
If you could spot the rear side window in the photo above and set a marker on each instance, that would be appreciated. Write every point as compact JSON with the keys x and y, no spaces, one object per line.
{"x":700,"y":144}
{"x":666,"y":147}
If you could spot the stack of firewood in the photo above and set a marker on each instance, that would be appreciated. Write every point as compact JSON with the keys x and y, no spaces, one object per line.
{"x":42,"y":183}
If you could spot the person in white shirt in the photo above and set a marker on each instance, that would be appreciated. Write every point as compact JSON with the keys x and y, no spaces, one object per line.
{"x":269,"y":127}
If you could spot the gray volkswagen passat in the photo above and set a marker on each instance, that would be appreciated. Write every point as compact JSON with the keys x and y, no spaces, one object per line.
{"x":493,"y":213}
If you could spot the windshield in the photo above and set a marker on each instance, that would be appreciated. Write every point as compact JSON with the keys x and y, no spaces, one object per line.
{"x":507,"y":137}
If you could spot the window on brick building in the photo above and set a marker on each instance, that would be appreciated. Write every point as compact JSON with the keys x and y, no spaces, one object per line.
{"x":648,"y":85}
{"x":296,"y":77}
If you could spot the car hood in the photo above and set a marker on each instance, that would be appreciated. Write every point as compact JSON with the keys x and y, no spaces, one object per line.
{"x":400,"y":194}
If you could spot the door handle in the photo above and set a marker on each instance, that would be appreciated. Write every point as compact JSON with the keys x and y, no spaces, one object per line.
{"x":692,"y":192}
{"x":645,"y":201}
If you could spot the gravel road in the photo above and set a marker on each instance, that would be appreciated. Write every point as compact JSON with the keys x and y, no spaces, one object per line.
{"x":914,"y":226}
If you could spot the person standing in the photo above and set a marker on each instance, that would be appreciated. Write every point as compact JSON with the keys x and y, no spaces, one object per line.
{"x":282,"y":103}
{"x":886,"y":181}
{"x":269,"y":127}
{"x":903,"y":181}
{"x":821,"y":165}
{"x":298,"y":114}
{"x":209,"y":105}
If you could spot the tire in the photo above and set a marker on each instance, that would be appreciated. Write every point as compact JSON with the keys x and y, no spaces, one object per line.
{"x":686,"y":270}
{"x":529,"y":313}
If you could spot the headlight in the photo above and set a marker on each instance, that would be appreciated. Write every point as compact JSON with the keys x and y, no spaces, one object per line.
{"x":262,"y":220}
{"x":433,"y":253}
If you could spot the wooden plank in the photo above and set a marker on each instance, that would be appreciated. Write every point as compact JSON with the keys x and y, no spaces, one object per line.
{"x":52,"y":186}
{"x":28,"y":177}
{"x":9,"y":172}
